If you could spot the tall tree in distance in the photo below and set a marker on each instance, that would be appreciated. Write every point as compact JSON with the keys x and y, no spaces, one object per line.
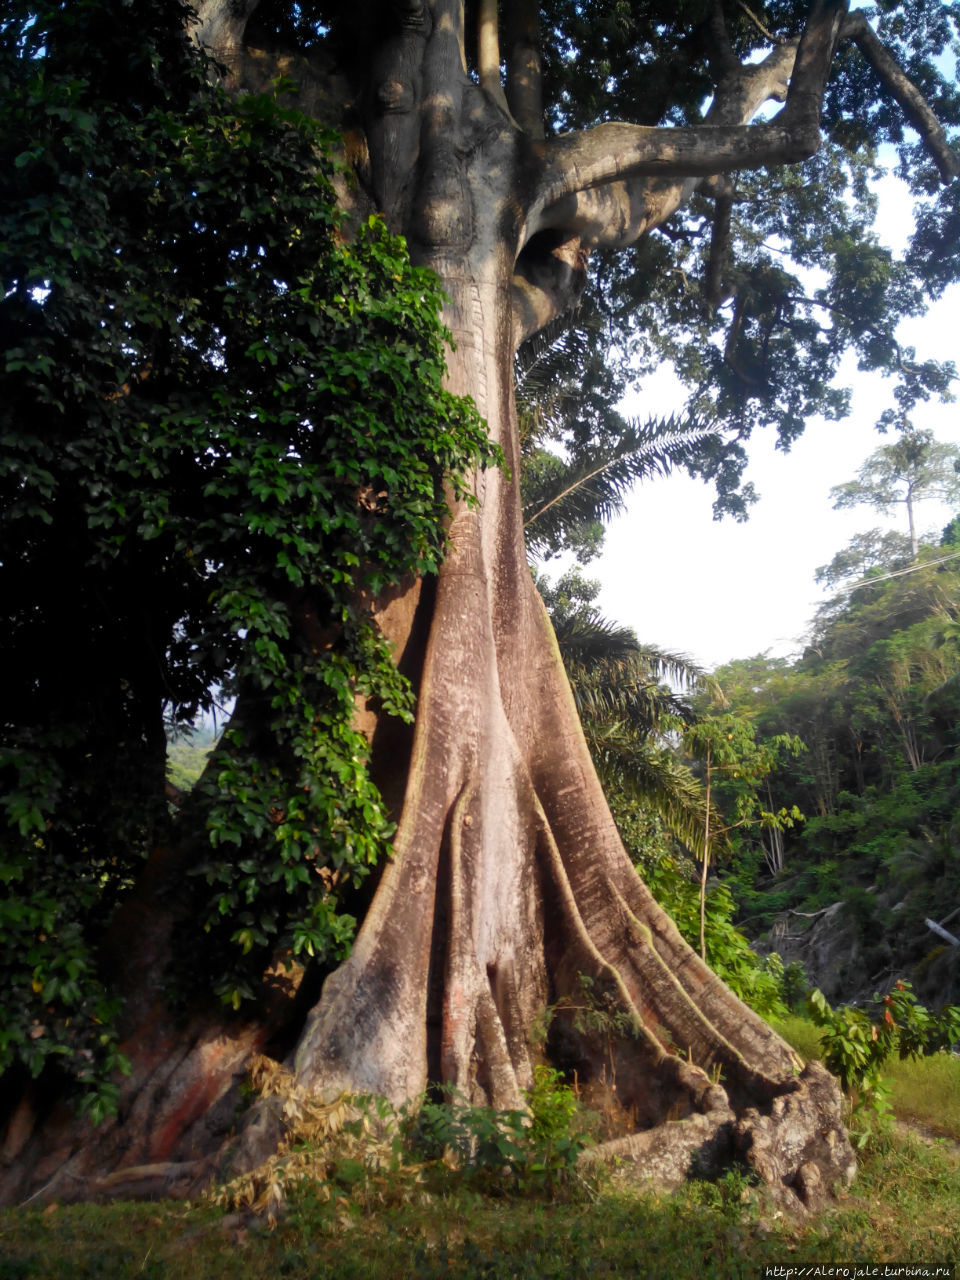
{"x":915,"y":468}
{"x":512,"y":155}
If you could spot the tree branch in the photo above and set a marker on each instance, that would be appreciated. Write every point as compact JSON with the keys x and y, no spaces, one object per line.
{"x":757,"y":23}
{"x":720,"y":51}
{"x":730,"y":347}
{"x":615,"y":151}
{"x":221,"y":24}
{"x":616,"y":214}
{"x":488,"y":52}
{"x":883,"y":334}
{"x":942,"y":933}
{"x":548,"y":280}
{"x":912,"y":102}
{"x":524,"y":66}
{"x":720,"y":242}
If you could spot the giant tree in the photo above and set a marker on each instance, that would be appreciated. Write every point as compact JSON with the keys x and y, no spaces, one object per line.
{"x":492,"y":144}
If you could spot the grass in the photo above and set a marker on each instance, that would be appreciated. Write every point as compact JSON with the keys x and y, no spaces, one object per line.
{"x":799,"y":1032}
{"x":903,"y":1210}
{"x":927,"y":1093}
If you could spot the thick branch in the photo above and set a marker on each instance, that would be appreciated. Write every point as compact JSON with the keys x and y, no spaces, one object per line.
{"x":618,"y":213}
{"x":911,"y":100}
{"x":942,"y":933}
{"x":720,"y":53}
{"x":221,"y":24}
{"x":524,"y":67}
{"x":818,"y":45}
{"x":729,"y":351}
{"x":720,"y":242}
{"x":614,"y":151}
{"x":548,"y":280}
{"x":488,"y":52}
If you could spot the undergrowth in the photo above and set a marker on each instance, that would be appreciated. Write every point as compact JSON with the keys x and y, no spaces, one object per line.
{"x":904,"y":1209}
{"x":362,"y":1153}
{"x":361,"y":1190}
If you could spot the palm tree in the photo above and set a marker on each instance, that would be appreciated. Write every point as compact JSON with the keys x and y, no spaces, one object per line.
{"x":629,"y":714}
{"x":567,"y":499}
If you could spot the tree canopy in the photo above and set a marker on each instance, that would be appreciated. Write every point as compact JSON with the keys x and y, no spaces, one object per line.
{"x":760,"y":281}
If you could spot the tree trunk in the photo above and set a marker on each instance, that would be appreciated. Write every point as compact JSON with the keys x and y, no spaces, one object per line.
{"x":508,"y":879}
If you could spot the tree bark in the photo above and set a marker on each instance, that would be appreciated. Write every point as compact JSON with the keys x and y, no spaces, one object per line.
{"x":508,"y":880}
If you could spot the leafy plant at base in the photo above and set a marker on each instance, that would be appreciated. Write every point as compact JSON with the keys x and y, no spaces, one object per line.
{"x":595,"y":1012}
{"x":226,"y":431}
{"x":855,"y":1048}
{"x":535,"y":1150}
{"x":366,"y":1149}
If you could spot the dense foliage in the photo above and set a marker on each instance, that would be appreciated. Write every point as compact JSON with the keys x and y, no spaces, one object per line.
{"x":855,"y":1045}
{"x":224,"y":431}
{"x":876,"y":698}
{"x":755,"y":333}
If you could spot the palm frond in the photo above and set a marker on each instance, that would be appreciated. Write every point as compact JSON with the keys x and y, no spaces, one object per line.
{"x":593,"y":485}
{"x":637,"y":699}
{"x":564,"y":374}
{"x":653,"y":778}
{"x":586,"y":637}
{"x":609,"y":666}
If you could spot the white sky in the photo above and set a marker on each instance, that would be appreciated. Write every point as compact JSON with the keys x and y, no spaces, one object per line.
{"x":717,"y":590}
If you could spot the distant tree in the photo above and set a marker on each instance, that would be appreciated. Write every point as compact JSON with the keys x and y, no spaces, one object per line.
{"x":875,"y":549}
{"x":736,"y":767}
{"x":913,"y":469}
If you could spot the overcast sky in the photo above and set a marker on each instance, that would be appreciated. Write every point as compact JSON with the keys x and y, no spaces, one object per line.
{"x":717,"y":590}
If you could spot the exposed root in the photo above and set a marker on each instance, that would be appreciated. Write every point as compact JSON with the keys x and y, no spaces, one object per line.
{"x":800,"y":1147}
{"x":667,"y":1155}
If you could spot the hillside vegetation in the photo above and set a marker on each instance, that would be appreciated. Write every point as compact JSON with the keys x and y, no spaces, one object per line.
{"x":875,"y":699}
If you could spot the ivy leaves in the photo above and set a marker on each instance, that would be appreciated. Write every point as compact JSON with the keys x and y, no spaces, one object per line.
{"x":227,"y":431}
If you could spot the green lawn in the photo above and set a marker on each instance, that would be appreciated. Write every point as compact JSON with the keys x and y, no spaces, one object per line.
{"x":903,"y":1210}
